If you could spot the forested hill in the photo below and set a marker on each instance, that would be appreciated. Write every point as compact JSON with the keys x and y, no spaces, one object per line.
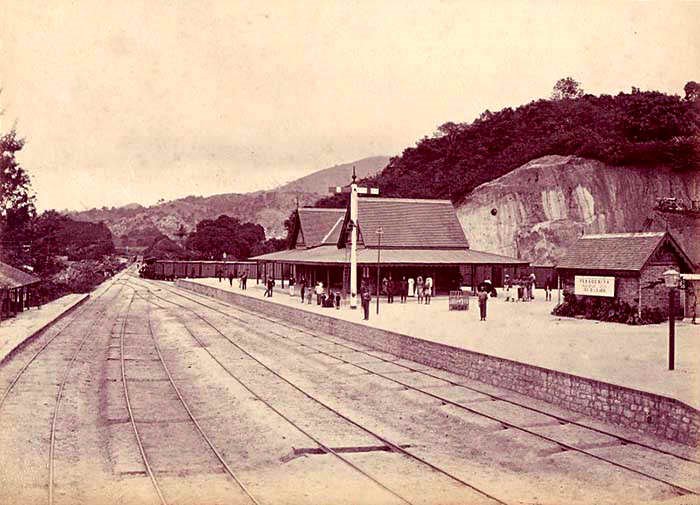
{"x":637,"y":128}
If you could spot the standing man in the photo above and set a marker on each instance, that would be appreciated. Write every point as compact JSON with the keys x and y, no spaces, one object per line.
{"x":390,"y":286}
{"x":230,"y":279}
{"x":366,"y":298}
{"x":403,"y":286}
{"x":531,"y":287}
{"x":302,"y":288}
{"x":245,"y":280}
{"x":691,"y":299}
{"x":483,"y":300}
{"x":319,"y":292}
{"x":428,"y":289}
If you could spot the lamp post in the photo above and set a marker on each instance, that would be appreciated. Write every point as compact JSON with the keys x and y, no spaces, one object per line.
{"x":380,"y":232}
{"x":671,"y":279}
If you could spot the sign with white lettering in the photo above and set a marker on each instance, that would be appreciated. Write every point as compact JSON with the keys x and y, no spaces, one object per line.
{"x":593,"y":285}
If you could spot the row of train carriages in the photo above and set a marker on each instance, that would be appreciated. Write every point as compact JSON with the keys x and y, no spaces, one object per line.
{"x":169,"y":270}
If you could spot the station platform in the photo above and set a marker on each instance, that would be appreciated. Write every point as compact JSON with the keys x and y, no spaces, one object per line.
{"x":633,"y":357}
{"x":23,"y":326}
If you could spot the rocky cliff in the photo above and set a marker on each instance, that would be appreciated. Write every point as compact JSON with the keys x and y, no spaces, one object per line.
{"x":536,"y":211}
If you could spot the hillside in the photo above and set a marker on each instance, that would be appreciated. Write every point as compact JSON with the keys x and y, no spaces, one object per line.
{"x":630,"y":129}
{"x":320,"y":181}
{"x":536,"y":211}
{"x":135,"y":225}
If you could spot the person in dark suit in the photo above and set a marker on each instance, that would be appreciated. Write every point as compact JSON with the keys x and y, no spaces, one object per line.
{"x":365,"y":298}
{"x":483,"y":297}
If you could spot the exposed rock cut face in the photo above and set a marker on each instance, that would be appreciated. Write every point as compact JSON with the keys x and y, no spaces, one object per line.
{"x":536,"y":211}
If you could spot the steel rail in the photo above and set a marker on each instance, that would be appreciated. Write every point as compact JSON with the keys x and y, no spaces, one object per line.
{"x":59,"y":398}
{"x":622,"y":439}
{"x":146,"y":464}
{"x":677,"y":488}
{"x":395,"y":447}
{"x":192,"y":417}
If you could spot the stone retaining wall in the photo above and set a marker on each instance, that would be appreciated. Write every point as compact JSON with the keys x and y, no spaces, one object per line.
{"x":646,"y":412}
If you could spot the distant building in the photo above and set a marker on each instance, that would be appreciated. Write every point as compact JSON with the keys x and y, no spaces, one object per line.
{"x":420,"y":237}
{"x":625,"y":266}
{"x":17,"y":290}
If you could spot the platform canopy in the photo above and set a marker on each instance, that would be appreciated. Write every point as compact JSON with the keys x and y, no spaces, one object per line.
{"x":333,"y":256}
{"x":11,"y":277}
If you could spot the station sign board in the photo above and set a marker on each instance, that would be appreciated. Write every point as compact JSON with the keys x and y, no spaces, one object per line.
{"x":459,"y":300}
{"x":594,"y":285}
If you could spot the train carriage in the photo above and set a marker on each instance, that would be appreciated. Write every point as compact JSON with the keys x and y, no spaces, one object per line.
{"x":208,"y":269}
{"x":180,"y":269}
{"x":170,"y":270}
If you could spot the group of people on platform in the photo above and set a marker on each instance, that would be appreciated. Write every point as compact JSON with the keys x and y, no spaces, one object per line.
{"x":242,"y":278}
{"x":517,"y":289}
{"x":421,"y":289}
{"x":522,"y":289}
{"x":324,"y":297}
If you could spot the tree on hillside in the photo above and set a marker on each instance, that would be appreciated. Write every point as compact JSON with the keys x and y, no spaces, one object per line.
{"x":692,"y":91}
{"x":56,"y":234}
{"x":567,"y":88}
{"x":644,"y":128}
{"x":164,"y":248}
{"x":16,"y":198}
{"x":212,"y":238}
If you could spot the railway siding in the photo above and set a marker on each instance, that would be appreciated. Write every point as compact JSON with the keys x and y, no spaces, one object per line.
{"x":646,"y":412}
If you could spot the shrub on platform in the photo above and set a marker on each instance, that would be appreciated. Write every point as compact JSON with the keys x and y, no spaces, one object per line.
{"x":606,"y":309}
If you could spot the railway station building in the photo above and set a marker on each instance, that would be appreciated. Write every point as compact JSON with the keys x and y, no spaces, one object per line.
{"x":405,"y":237}
{"x":17,"y":290}
{"x":624,"y":266}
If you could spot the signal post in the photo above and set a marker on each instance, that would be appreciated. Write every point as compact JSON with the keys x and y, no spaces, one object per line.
{"x":354,"y":191}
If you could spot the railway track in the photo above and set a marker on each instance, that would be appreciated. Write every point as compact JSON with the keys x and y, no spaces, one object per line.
{"x":71,"y":359}
{"x":48,"y":342}
{"x":324,"y":447}
{"x":678,"y":489}
{"x":397,"y":448}
{"x":134,"y":423}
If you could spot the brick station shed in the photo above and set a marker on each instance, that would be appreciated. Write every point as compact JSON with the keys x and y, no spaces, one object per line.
{"x":636,"y":262}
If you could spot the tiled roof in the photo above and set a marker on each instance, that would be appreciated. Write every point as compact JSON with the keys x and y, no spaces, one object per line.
{"x":614,"y":251}
{"x":11,"y":277}
{"x":410,"y":223}
{"x":333,"y":255}
{"x":317,"y":223}
{"x":333,"y":235}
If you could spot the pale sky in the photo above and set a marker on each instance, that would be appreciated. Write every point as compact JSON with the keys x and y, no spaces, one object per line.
{"x":129,"y":101}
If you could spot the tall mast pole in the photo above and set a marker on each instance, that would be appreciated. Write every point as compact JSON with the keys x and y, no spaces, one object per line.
{"x":353,"y":239}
